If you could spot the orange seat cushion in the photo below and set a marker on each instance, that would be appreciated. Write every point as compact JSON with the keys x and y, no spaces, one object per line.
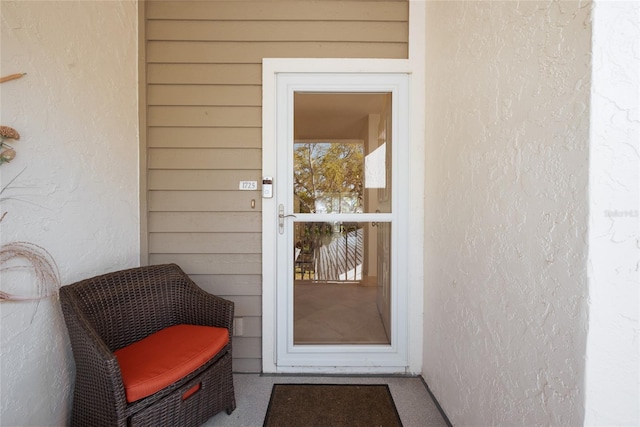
{"x":164,"y":357}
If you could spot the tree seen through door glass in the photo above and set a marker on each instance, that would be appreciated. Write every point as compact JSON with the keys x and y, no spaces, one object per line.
{"x":328,"y":177}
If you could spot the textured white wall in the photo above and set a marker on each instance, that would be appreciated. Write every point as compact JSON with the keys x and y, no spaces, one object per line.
{"x":612,"y":392}
{"x":76,"y":110}
{"x":506,"y":210}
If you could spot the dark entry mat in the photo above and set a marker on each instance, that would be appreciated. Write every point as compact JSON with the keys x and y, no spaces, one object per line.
{"x":335,"y":405}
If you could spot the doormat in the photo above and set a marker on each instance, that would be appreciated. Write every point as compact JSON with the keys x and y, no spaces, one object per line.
{"x":335,"y":405}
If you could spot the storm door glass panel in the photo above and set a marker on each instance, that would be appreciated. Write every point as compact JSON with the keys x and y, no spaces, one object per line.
{"x":342,"y":153}
{"x":340,"y":291}
{"x":342,"y":173}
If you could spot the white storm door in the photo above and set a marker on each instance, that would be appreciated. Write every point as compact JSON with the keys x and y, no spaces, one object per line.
{"x":351,"y":218}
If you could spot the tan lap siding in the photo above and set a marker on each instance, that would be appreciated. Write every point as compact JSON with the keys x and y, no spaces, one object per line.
{"x":203,"y":115}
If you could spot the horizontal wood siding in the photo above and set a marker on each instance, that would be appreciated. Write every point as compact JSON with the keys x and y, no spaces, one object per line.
{"x":206,"y":243}
{"x":211,"y":137}
{"x":200,"y":95}
{"x":250,"y":53}
{"x":198,"y":179}
{"x":203,"y":158}
{"x":205,"y":74}
{"x":270,"y":31}
{"x":234,"y":10}
{"x":203,"y":114}
{"x":204,"y":222}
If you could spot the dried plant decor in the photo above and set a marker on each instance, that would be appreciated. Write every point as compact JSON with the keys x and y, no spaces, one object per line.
{"x":39,"y":260}
{"x":8,"y":153}
{"x":24,"y":255}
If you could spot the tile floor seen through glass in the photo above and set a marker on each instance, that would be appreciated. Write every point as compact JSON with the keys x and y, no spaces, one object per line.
{"x":337,"y":313}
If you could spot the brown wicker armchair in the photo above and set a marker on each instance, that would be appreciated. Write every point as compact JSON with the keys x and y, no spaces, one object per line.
{"x":109,"y":312}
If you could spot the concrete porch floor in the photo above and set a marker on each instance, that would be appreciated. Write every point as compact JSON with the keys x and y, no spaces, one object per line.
{"x":253,"y":391}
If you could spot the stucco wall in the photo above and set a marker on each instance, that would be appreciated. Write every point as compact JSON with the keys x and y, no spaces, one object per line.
{"x":506,"y":219}
{"x":77,"y":194}
{"x":612,"y":377}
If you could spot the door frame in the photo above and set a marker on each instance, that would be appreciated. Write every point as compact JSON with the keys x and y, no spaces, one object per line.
{"x":271,"y":69}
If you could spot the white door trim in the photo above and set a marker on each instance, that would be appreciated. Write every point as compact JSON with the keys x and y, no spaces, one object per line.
{"x":273,"y":67}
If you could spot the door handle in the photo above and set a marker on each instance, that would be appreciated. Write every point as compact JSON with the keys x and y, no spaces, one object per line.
{"x":281,"y":217}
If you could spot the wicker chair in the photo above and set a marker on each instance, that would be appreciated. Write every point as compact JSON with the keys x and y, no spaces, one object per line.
{"x":112,"y":311}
